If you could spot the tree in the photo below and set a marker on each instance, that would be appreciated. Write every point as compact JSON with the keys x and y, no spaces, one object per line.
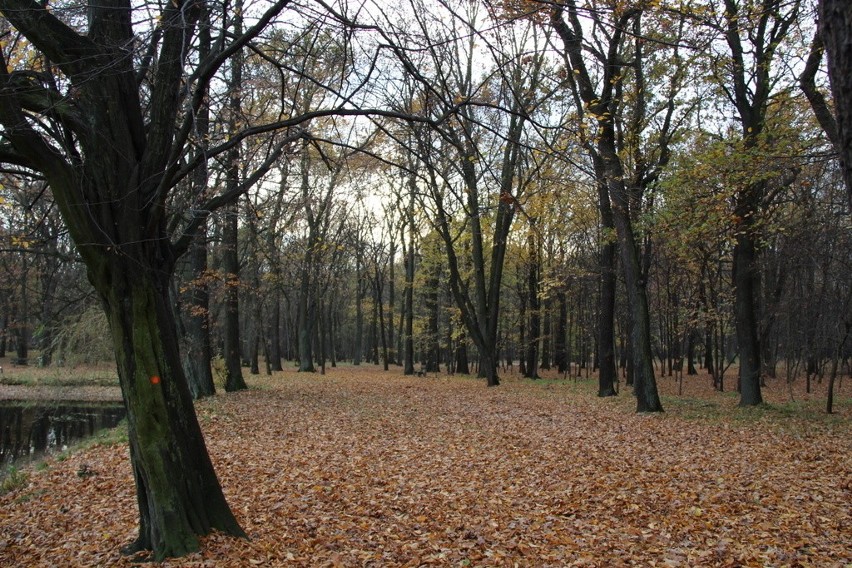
{"x":617,"y":154}
{"x":230,"y":222}
{"x":753,"y":32}
{"x":196,"y":324}
{"x":107,"y":131}
{"x":470,"y":163}
{"x":835,"y":20}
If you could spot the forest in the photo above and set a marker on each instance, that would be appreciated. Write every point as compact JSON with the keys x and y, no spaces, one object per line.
{"x":620,"y":191}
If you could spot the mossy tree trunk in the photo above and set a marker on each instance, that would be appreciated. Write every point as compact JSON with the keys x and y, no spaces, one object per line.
{"x":178,"y":493}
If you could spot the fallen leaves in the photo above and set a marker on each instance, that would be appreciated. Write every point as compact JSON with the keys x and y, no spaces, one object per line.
{"x":364,"y":468}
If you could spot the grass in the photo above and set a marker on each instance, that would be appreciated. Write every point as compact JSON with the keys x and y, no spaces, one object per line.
{"x":101,"y":374}
{"x":12,"y":478}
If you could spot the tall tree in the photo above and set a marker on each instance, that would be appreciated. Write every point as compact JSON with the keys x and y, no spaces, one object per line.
{"x":753,"y":31}
{"x":835,"y":20}
{"x":230,"y":254}
{"x":604,"y":98}
{"x":484,"y":139}
{"x":113,"y":147}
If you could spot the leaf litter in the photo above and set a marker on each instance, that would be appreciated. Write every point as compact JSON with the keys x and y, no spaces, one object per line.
{"x":364,"y":468}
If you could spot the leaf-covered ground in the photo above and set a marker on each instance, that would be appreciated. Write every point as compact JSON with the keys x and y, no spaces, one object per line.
{"x":365,"y":468}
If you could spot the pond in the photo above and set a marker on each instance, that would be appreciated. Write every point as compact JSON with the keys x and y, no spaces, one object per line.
{"x":30,"y":429}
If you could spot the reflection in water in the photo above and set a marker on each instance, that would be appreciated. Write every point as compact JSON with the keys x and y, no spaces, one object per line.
{"x":27,"y":428}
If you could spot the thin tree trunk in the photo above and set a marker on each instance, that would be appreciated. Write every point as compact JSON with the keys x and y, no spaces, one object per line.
{"x":533,"y":269}
{"x":198,"y":354}
{"x":606,"y":308}
{"x":745,"y":309}
{"x":433,"y":351}
{"x":381,"y":309}
{"x":561,"y":355}
{"x":231,"y":325}
{"x":22,"y":329}
{"x":274,"y":341}
{"x":230,"y":262}
{"x":359,"y":311}
{"x":409,"y":295}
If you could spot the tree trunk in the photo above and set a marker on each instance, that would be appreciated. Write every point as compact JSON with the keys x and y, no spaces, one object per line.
{"x":606,"y":321}
{"x":381,"y":309}
{"x":433,"y":351}
{"x":333,"y":324}
{"x":462,"y":366}
{"x":547,"y":336}
{"x":233,"y":357}
{"x":274,"y":342}
{"x":178,"y":493}
{"x":231,"y":325}
{"x":835,"y":18}
{"x":606,"y":308}
{"x":22,"y":329}
{"x":197,"y":356}
{"x":357,"y":349}
{"x":745,"y":310}
{"x":408,"y":359}
{"x":198,"y":353}
{"x":560,"y":352}
{"x":4,"y":330}
{"x":392,"y":303}
{"x":534,"y":302}
{"x":644,"y":383}
{"x":690,"y":353}
{"x":305,"y":318}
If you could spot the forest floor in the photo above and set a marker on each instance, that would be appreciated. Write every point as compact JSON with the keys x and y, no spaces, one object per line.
{"x":361,"y":467}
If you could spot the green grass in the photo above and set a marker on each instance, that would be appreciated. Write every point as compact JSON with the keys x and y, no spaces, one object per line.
{"x":13,"y":478}
{"x":785,"y":415}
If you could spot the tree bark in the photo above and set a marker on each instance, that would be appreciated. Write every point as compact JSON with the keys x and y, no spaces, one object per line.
{"x":534,"y":320}
{"x":433,"y":350}
{"x":560,"y":351}
{"x":231,"y":322}
{"x":274,"y":341}
{"x":835,"y":18}
{"x":745,"y":312}
{"x":380,"y":307}
{"x":178,"y":493}
{"x":230,"y":262}
{"x":408,"y":308}
{"x":22,"y":327}
{"x":306,"y":319}
{"x":197,"y":338}
{"x":606,"y":307}
{"x":357,"y":349}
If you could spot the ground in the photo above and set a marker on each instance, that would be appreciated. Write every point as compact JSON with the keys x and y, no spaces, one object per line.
{"x":362,"y":467}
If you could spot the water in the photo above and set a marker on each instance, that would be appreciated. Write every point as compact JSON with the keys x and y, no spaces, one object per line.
{"x":31,"y":429}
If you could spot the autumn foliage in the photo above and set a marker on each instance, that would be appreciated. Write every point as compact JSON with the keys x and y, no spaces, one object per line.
{"x":364,"y":468}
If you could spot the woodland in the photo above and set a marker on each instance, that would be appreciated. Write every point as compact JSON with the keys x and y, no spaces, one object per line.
{"x":634,"y":196}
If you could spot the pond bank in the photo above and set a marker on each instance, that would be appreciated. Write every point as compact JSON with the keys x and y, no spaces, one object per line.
{"x":31,"y":429}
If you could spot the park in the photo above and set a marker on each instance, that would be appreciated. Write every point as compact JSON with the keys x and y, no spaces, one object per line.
{"x":544,"y":223}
